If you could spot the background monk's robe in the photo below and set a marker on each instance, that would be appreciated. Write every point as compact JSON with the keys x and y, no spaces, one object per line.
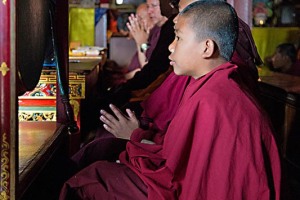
{"x":114,"y":75}
{"x":152,"y":41}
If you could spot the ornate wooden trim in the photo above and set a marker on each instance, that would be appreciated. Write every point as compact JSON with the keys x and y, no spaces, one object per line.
{"x":4,"y":193}
{"x":7,"y":106}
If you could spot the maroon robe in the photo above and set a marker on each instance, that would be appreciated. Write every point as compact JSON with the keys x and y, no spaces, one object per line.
{"x":107,"y":147}
{"x":219,"y":145}
{"x":162,"y":104}
{"x":295,"y":69}
{"x":159,"y":110}
{"x":119,"y":182}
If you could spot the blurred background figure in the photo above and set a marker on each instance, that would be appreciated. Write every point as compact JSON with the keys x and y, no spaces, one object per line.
{"x":285,"y":60}
{"x":143,"y":16}
{"x":121,"y":24}
{"x":144,"y":27}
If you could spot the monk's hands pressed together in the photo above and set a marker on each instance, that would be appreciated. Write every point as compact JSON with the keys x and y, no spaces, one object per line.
{"x":138,"y":30}
{"x":122,"y":126}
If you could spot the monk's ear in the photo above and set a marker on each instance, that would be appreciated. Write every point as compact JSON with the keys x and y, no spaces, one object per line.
{"x":209,"y":48}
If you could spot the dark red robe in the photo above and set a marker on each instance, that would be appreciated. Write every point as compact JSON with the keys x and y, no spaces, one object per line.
{"x":159,"y":110}
{"x":295,"y":69}
{"x":219,"y":145}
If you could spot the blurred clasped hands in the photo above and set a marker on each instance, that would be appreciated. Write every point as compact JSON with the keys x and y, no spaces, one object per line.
{"x":138,"y":29}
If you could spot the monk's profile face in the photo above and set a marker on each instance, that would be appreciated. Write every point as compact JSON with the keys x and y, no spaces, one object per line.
{"x":186,"y":50}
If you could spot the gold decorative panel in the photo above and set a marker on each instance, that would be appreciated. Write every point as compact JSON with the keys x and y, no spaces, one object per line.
{"x":4,"y":68}
{"x":4,"y":192}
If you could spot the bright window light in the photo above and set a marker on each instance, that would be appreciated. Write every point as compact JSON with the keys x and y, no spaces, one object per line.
{"x":119,"y":1}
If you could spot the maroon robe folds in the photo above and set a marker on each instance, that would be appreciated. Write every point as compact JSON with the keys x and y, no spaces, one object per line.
{"x":295,"y":69}
{"x":162,"y":104}
{"x":219,"y":145}
{"x":159,"y":109}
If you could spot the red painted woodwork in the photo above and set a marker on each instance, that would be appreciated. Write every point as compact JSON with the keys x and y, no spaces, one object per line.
{"x":37,"y":102}
{"x":5,"y":100}
{"x":10,"y":187}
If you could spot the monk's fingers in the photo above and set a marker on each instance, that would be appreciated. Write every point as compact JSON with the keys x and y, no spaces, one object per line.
{"x":131,"y":114}
{"x":117,"y":112}
{"x":131,"y":22}
{"x":116,"y":129}
{"x":135,"y":25}
{"x":135,"y":18}
{"x":132,"y":28}
{"x":129,"y":27}
{"x":107,"y":118}
{"x":110,"y":122}
{"x":109,"y":129}
{"x":106,"y":114}
{"x":132,"y":32}
{"x":147,"y":30}
{"x":132,"y":18}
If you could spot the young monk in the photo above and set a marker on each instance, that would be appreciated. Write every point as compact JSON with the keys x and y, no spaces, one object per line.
{"x":208,"y":151}
{"x":158,"y":110}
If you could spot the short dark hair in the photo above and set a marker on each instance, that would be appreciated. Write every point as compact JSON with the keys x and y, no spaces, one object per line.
{"x":214,"y":19}
{"x":289,"y":50}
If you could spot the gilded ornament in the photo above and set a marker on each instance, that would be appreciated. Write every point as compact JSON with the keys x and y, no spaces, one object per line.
{"x":4,"y":69}
{"x":4,"y":168}
{"x":76,"y":108}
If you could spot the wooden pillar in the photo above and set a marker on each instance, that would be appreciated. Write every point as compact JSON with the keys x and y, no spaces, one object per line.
{"x":243,"y":9}
{"x":61,"y":25}
{"x":61,"y":36}
{"x":8,"y":100}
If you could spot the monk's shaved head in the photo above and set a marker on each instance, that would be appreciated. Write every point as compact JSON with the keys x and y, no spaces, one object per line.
{"x":214,"y":19}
